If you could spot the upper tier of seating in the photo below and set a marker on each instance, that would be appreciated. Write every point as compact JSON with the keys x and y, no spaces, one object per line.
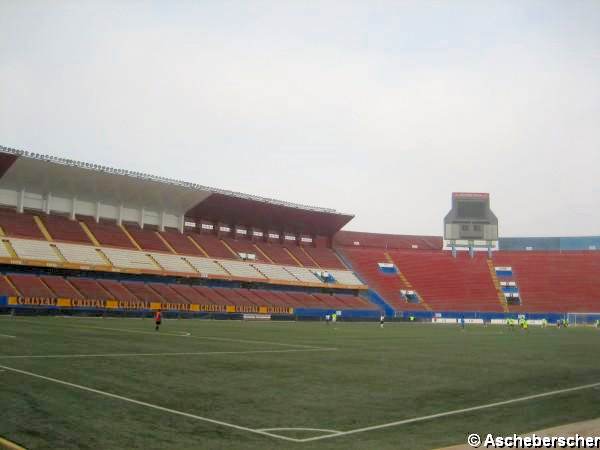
{"x":213,"y":246}
{"x":181,"y":242}
{"x":19,"y":225}
{"x":243,"y":245}
{"x":387,"y":241}
{"x":103,"y":244}
{"x":49,"y":286}
{"x":62,"y":228}
{"x":325,"y":258}
{"x":107,"y":233}
{"x":277,"y":253}
{"x":147,"y":238}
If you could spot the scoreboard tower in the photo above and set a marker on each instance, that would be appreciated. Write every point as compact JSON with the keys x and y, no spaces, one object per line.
{"x":471,"y":224}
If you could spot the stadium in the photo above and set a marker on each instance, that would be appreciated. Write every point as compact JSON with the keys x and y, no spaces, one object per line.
{"x":418,"y":353}
{"x":287,"y":225}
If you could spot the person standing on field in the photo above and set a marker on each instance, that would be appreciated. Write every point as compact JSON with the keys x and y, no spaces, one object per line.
{"x":157,"y":319}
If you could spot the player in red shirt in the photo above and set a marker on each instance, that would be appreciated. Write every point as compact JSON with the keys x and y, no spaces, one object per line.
{"x":157,"y":319}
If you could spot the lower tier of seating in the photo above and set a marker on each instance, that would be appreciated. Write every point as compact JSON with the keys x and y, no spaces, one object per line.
{"x":446,"y":283}
{"x":48,"y":286}
{"x":554,"y":281}
{"x":388,"y":285}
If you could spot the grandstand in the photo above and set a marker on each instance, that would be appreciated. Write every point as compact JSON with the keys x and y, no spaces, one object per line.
{"x":184,"y":247}
{"x":179,"y":247}
{"x":74,"y":243}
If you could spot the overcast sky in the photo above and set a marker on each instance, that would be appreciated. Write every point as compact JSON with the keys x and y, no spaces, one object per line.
{"x":380,"y":109}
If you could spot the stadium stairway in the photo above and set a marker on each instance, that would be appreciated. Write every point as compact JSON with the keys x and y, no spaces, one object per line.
{"x":373,"y":296}
{"x":407,"y":284}
{"x":554,"y":281}
{"x":501,"y":297}
{"x":448,"y":283}
{"x":388,"y":286}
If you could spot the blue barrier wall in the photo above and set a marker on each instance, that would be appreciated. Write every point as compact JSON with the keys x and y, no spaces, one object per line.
{"x":346,"y":314}
{"x":580,"y":243}
{"x":377,"y":299}
{"x":550,"y":243}
{"x":537,"y":243}
{"x":550,"y":317}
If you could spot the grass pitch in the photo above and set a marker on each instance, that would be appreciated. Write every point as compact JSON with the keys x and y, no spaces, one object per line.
{"x":117,"y":384}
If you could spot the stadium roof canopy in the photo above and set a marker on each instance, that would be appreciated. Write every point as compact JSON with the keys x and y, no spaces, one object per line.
{"x":44,"y":174}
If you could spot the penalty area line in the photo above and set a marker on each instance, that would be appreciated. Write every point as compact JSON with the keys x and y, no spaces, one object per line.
{"x":454,"y":412}
{"x":150,"y":405}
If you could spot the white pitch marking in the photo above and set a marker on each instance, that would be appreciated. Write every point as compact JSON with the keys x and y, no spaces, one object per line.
{"x":8,"y":336}
{"x":149,"y":405}
{"x":121,"y":355}
{"x":454,"y":412}
{"x":186,"y":333}
{"x":213,"y":338}
{"x":325,"y":430}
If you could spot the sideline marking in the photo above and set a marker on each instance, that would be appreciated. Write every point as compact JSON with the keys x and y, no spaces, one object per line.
{"x":120,"y":355}
{"x":148,"y":405}
{"x":8,"y":336}
{"x":5,"y":443}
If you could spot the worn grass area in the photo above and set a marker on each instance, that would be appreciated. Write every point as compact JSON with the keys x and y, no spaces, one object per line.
{"x":257,"y":376}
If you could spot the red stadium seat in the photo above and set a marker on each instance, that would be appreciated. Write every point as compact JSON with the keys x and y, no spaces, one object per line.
{"x":146,"y":238}
{"x":19,"y":224}
{"x":30,"y":285}
{"x":90,"y":288}
{"x":180,"y":242}
{"x":64,"y":229}
{"x":107,"y":232}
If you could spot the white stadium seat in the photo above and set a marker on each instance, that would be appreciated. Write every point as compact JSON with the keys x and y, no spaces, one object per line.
{"x":345,"y":277}
{"x":81,"y":254}
{"x":206,"y":266}
{"x":129,"y":259}
{"x":172,"y":263}
{"x":31,"y":249}
{"x":303,"y":274}
{"x":274,"y":272}
{"x":240,"y":269}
